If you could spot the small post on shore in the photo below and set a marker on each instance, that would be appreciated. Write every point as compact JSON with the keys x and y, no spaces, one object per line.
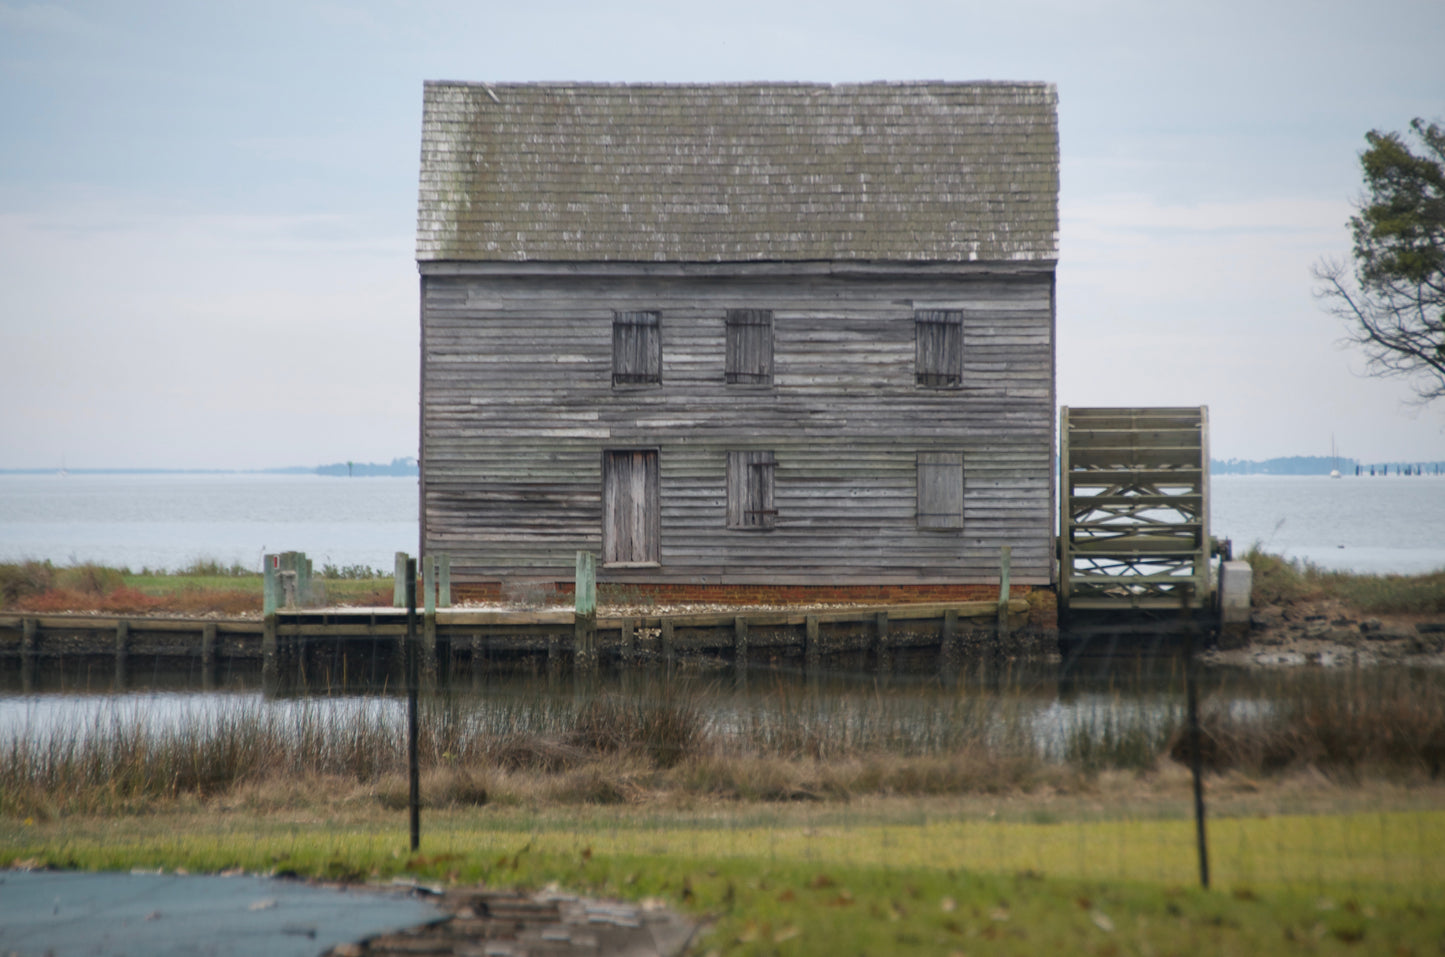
{"x":1005,"y":559}
{"x":412,"y":764}
{"x":585,"y":616}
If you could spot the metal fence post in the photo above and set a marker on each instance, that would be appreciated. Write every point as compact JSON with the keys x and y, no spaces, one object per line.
{"x":413,"y":768}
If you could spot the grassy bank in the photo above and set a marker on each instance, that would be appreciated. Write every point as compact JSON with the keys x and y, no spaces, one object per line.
{"x":203,"y":587}
{"x":1279,"y":581}
{"x":910,"y":877}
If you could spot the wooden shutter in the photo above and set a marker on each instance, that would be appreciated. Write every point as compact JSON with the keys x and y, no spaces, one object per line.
{"x":751,"y":490}
{"x":939,"y":337}
{"x":750,"y":346}
{"x":940,"y":490}
{"x":631,"y":522}
{"x":636,"y":348}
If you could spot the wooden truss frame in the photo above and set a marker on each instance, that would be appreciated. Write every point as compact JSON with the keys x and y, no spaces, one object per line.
{"x":1134,"y":508}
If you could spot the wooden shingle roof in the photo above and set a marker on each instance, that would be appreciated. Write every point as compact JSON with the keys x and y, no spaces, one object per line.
{"x":909,"y":172}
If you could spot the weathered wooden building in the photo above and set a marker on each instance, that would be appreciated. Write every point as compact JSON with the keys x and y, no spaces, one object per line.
{"x":740,"y":338}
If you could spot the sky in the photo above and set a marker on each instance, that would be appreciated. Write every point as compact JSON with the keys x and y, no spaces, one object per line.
{"x":207,"y":210}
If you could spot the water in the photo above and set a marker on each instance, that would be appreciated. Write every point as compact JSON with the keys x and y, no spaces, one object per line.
{"x":1361,"y":524}
{"x":1032,"y":710}
{"x":1394,"y":524}
{"x":169,"y":521}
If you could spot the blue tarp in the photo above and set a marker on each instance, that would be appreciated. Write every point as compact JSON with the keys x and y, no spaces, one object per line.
{"x":67,"y":913}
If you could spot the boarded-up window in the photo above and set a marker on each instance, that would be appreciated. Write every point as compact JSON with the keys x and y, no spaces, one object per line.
{"x":939,"y":336}
{"x":750,"y":346}
{"x":750,"y":490}
{"x":636,"y":348}
{"x":631,"y":527}
{"x":940,"y":490}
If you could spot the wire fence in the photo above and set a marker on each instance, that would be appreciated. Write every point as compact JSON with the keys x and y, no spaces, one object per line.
{"x":1321,"y":786}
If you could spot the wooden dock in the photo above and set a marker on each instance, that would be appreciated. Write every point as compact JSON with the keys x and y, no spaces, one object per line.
{"x":295,"y":643}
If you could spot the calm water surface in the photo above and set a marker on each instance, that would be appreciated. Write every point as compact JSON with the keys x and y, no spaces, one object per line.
{"x":169,"y":521}
{"x":1365,"y":524}
{"x":1394,"y":524}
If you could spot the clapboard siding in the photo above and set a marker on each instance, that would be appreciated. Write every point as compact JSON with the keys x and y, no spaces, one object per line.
{"x":519,"y":405}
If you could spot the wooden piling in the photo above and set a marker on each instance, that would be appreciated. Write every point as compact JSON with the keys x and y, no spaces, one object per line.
{"x":444,"y":581}
{"x":208,"y":655}
{"x":812,"y":646}
{"x":429,"y":660}
{"x":270,"y":564}
{"x":269,"y":652}
{"x":1005,"y":559}
{"x":740,"y":651}
{"x":29,"y":651}
{"x":628,"y":641}
{"x":122,"y":641}
{"x":585,"y":618}
{"x":429,"y":585}
{"x":949,"y":652}
{"x":882,"y":653}
{"x":478,"y":660}
{"x":669,"y":645}
{"x":398,"y":577}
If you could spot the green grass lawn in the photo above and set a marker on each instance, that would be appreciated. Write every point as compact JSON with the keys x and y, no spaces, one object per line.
{"x":892,"y":878}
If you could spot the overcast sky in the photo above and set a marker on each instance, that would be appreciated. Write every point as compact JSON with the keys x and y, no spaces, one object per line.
{"x":207,"y":210}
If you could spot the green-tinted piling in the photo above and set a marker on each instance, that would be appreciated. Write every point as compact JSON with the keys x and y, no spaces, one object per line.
{"x":585,"y":616}
{"x":398,"y":591}
{"x":269,"y":566}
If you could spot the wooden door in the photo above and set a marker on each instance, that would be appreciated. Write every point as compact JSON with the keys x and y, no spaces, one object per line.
{"x":631,"y":526}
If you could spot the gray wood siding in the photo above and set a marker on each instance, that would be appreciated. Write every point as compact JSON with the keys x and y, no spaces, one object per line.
{"x":519,"y":406}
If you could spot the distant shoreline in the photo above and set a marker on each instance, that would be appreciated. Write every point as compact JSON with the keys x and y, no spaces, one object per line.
{"x":399,"y":468}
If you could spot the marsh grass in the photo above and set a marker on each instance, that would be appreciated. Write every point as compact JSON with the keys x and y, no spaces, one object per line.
{"x":1347,"y":724}
{"x":205,"y":586}
{"x":674,"y":741}
{"x":1278,"y":580}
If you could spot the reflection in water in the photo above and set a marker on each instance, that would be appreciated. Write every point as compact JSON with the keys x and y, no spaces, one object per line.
{"x":1055,"y":712}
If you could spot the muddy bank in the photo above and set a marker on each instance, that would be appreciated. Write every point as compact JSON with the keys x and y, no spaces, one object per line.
{"x":1327,"y":634}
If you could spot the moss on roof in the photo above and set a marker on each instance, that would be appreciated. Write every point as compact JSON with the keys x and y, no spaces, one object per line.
{"x":913,"y":172}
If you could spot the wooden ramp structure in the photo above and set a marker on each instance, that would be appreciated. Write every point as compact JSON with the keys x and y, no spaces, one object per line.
{"x":1134,"y":510}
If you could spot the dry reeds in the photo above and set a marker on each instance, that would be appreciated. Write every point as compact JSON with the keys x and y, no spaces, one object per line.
{"x":671,"y":741}
{"x":1345,"y":724}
